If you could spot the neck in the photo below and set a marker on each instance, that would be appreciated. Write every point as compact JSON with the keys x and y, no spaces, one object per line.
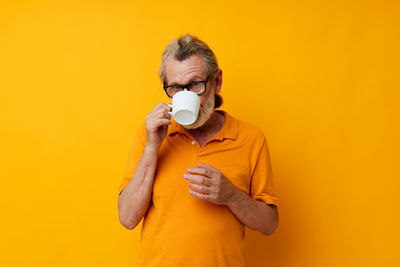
{"x":213,"y":124}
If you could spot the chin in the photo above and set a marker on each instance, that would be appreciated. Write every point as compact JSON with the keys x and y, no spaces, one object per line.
{"x":194,"y":125}
{"x":205,"y":113}
{"x":201,"y":120}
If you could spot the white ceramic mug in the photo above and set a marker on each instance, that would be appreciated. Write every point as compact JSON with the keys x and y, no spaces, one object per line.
{"x":185,"y":107}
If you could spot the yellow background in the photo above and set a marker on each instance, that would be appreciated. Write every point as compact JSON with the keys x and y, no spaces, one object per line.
{"x":320,"y":78}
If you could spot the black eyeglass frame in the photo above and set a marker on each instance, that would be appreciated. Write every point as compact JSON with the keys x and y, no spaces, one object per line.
{"x":186,"y":86}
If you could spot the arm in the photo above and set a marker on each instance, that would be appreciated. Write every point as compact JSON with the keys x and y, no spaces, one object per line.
{"x":254,"y":214}
{"x":134,"y":200}
{"x":251,"y":209}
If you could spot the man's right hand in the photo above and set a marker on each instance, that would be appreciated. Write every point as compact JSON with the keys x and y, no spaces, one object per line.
{"x":157,"y":122}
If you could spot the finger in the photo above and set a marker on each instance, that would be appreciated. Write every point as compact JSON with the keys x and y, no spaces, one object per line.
{"x":161,"y":114}
{"x":161,"y":106}
{"x":166,"y":112}
{"x":165,"y":106}
{"x":197,"y":179}
{"x":158,"y":106}
{"x":203,"y":171}
{"x":201,"y":188}
{"x":206,"y":166}
{"x":160,"y":122}
{"x":199,"y":195}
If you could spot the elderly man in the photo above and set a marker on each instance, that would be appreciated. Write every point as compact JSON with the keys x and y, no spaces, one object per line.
{"x":196,"y":186}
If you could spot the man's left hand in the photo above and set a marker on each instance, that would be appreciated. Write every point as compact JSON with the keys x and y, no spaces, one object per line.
{"x":215,"y":186}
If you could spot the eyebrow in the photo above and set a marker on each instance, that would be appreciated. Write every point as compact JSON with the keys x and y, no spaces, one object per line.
{"x":193,"y":79}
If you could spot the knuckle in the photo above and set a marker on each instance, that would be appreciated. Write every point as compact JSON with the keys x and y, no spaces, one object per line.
{"x":157,"y":107}
{"x":215,"y":191}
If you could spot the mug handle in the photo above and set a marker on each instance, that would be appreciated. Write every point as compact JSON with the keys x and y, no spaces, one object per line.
{"x":169,"y":112}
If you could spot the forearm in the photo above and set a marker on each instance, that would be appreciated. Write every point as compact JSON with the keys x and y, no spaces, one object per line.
{"x":253,"y":213}
{"x":135,"y":198}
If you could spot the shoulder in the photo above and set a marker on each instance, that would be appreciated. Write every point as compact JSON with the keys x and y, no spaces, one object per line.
{"x":246,"y":133}
{"x":248,"y":130}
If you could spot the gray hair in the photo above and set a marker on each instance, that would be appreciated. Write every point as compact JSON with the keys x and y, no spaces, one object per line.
{"x":186,"y":46}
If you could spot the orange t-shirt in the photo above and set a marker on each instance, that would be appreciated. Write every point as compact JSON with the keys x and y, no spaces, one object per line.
{"x":180,"y":229}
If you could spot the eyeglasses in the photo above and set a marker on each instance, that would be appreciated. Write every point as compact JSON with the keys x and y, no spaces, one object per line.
{"x":198,"y":87}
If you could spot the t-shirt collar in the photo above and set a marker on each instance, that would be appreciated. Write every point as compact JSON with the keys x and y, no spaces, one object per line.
{"x":229,"y":129}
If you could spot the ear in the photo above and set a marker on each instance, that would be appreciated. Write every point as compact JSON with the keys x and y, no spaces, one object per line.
{"x":218,"y":81}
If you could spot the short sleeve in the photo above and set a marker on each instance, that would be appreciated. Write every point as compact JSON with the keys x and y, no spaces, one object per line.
{"x":262,"y":185}
{"x":135,"y":154}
